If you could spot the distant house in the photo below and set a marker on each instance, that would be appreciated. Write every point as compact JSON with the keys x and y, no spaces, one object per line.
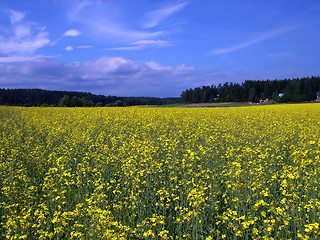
{"x":262,"y":100}
{"x":281,"y":95}
{"x":318,"y":96}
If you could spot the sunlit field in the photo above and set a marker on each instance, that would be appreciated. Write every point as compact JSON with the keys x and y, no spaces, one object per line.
{"x":160,"y":173}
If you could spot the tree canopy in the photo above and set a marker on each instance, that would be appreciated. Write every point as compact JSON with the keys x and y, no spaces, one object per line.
{"x":39,"y":97}
{"x":287,"y":90}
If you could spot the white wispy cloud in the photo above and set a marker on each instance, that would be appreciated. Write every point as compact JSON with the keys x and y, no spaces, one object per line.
{"x":155,"y":43}
{"x":69,"y":48}
{"x":24,"y":46}
{"x":22,"y":30}
{"x":72,"y":33}
{"x":143,"y":44}
{"x":78,"y":8}
{"x":121,"y":33}
{"x":259,"y":38}
{"x":85,"y":46}
{"x":15,"y":59}
{"x":22,"y":37}
{"x":68,"y":33}
{"x":107,"y":26}
{"x":154,"y":18}
{"x":129,"y":48}
{"x":15,"y":16}
{"x":114,"y":29}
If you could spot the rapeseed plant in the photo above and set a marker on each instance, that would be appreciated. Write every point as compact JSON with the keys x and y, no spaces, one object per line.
{"x":160,"y":173}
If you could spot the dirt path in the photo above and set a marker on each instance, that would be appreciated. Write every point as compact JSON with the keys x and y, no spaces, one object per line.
{"x":206,"y":104}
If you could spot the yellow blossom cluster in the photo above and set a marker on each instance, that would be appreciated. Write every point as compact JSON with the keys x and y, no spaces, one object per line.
{"x":160,"y":173}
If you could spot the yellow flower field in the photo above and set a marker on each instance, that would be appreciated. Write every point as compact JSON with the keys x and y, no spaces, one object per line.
{"x":160,"y":173}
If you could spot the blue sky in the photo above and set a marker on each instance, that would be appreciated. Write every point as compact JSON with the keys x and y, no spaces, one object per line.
{"x":155,"y":48}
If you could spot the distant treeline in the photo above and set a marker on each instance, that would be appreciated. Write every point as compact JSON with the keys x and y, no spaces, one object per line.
{"x":287,"y":90}
{"x":39,"y":97}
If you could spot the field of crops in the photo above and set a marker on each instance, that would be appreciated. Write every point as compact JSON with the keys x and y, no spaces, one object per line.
{"x":160,"y":173}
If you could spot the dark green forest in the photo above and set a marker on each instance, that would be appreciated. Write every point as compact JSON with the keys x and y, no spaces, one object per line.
{"x":39,"y":97}
{"x":287,"y":90}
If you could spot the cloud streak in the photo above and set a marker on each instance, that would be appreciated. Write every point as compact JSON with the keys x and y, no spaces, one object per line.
{"x":143,"y":44}
{"x":69,"y":48}
{"x":128,"y":48}
{"x":104,"y":25}
{"x":154,"y":18}
{"x":114,"y":28}
{"x":156,"y":43}
{"x":85,"y":46}
{"x":260,"y":38}
{"x":16,"y":59}
{"x":72,"y":33}
{"x":68,"y":33}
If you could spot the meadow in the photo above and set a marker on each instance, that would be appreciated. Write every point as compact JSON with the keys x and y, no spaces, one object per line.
{"x":160,"y":173}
